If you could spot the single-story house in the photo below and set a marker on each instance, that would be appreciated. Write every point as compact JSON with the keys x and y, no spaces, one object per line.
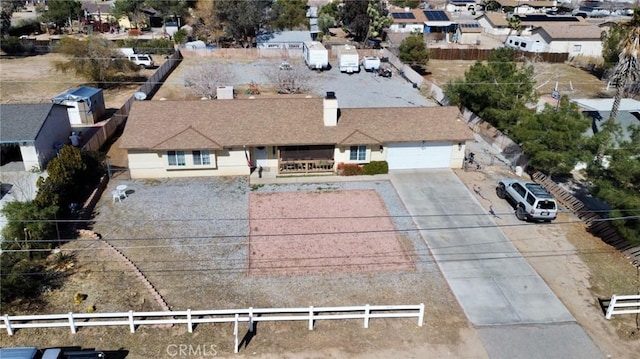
{"x":496,"y":24}
{"x":33,"y":133}
{"x":85,"y":104}
{"x":282,"y":39}
{"x":599,"y":110}
{"x":527,"y":6}
{"x":462,"y":5}
{"x":577,"y":40}
{"x":286,"y":136}
{"x":406,"y":20}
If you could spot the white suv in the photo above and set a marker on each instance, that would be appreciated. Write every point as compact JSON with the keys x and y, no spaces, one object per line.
{"x":143,"y":60}
{"x":532,"y":201}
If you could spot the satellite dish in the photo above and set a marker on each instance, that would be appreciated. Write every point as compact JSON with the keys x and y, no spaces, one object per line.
{"x":140,"y":96}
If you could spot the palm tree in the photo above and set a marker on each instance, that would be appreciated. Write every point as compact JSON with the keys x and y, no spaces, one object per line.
{"x":627,"y":70}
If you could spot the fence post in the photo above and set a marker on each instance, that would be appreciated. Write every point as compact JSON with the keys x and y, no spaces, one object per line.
{"x":132,"y":327}
{"x":235,"y":335}
{"x":311,"y":317}
{"x":189,"y":323}
{"x":612,"y":304}
{"x":421,"y":315}
{"x":367,"y":311}
{"x":7,"y":323}
{"x":251,"y":319}
{"x":71,"y":324}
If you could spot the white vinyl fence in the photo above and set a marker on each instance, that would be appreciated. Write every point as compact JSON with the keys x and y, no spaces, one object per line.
{"x":623,"y":301}
{"x":191,"y":317}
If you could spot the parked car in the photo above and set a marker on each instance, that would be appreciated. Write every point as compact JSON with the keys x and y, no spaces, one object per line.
{"x":384,"y":72}
{"x":531,"y":200}
{"x":19,"y":353}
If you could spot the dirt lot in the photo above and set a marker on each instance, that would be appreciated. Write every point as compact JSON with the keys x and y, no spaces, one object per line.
{"x":570,"y":80}
{"x":578,"y":267}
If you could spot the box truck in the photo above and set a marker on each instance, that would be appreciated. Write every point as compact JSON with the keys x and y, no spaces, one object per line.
{"x":348,"y":59}
{"x":315,"y":55}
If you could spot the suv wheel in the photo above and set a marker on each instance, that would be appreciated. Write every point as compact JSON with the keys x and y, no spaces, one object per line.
{"x":500,"y":191}
{"x":520,"y":213}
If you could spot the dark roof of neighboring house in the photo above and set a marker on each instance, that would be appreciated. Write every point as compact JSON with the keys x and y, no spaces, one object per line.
{"x":22,"y":122}
{"x":93,"y":7}
{"x":288,"y":36}
{"x":216,"y":124}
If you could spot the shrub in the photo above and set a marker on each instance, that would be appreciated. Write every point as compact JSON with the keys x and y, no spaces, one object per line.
{"x":351,"y":169}
{"x":375,"y":168}
{"x":11,"y":45}
{"x":79,"y":298}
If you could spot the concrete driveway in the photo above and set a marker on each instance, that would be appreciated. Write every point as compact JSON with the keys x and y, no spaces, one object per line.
{"x":516,"y":313}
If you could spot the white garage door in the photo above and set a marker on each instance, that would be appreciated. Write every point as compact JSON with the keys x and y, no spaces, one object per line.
{"x":416,"y":155}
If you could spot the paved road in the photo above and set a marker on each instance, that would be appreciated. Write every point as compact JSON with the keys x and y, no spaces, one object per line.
{"x":516,"y":313}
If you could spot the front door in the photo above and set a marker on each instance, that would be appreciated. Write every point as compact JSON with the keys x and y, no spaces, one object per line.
{"x":260,"y":154}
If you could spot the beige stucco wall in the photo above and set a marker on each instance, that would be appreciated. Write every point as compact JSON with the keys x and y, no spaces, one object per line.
{"x":154,"y":165}
{"x":342,"y":153}
{"x":457,"y":154}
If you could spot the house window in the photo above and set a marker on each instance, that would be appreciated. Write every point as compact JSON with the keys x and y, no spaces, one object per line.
{"x":577,"y":48}
{"x":201,"y":158}
{"x":176,"y":158}
{"x":358,"y":153}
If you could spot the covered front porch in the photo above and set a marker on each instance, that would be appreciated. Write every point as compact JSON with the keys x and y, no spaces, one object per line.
{"x":305,"y":159}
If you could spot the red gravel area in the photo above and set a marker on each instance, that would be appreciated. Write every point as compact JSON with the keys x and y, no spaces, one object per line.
{"x":294,"y":233}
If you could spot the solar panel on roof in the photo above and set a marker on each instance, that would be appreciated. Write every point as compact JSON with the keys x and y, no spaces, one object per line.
{"x":402,"y":15}
{"x":548,"y":18}
{"x":436,"y":15}
{"x":471,"y":26}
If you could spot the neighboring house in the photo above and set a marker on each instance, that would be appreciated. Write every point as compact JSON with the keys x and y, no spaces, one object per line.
{"x":33,"y":133}
{"x":85,"y":105}
{"x":407,"y":20}
{"x":462,"y":5}
{"x":577,"y":40}
{"x":599,"y":110}
{"x":527,"y":6}
{"x":286,"y":136}
{"x":282,"y":39}
{"x":468,"y":34}
{"x":439,"y":21}
{"x":496,"y":24}
{"x":97,"y":11}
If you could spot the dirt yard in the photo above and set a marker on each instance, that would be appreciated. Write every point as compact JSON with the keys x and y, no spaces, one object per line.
{"x":570,"y":80}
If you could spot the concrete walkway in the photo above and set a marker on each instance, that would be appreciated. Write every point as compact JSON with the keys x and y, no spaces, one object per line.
{"x":516,"y":313}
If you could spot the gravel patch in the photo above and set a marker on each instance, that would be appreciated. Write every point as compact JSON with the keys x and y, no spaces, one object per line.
{"x":359,"y":90}
{"x":190,"y":238}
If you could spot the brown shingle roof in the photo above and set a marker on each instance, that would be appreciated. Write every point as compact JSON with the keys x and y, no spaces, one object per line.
{"x":559,"y":31}
{"x":534,"y":4}
{"x":163,"y":125}
{"x":418,"y":15}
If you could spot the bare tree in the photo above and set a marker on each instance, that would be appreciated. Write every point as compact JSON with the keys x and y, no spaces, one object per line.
{"x":289,"y":78}
{"x":204,"y":78}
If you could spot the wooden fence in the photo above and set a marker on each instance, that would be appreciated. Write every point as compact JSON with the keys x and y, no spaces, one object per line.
{"x":132,"y":319}
{"x":437,"y":53}
{"x":597,"y":225}
{"x":109,"y":126}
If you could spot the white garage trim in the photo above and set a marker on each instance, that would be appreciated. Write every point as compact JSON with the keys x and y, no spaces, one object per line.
{"x":419,"y":155}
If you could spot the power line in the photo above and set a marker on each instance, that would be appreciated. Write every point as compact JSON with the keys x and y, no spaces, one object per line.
{"x":281,"y":236}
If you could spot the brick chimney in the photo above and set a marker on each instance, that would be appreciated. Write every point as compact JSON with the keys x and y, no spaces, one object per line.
{"x":330,"y":106}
